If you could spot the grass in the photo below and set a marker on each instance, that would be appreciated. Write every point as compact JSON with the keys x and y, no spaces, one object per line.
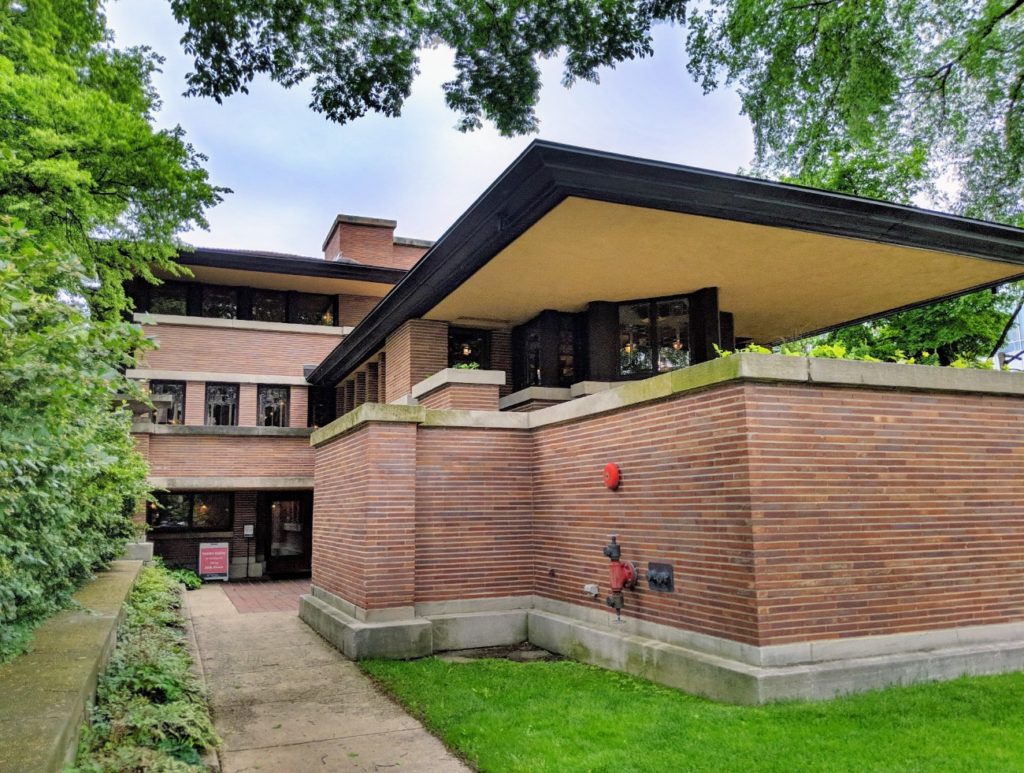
{"x":151,"y":712}
{"x":566,"y":716}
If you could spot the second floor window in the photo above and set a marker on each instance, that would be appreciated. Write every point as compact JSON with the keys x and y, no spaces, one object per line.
{"x":168,"y":401}
{"x":222,"y":404}
{"x":272,"y":406}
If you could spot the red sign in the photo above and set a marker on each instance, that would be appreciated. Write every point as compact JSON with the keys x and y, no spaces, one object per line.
{"x":213,"y":560}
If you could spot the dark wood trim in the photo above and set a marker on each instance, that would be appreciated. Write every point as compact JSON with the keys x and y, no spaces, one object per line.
{"x":603,"y":341}
{"x":705,"y":329}
{"x":264,"y":263}
{"x":546,"y":173}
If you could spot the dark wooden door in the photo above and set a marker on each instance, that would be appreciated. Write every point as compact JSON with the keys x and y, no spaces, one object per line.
{"x":286,"y":519}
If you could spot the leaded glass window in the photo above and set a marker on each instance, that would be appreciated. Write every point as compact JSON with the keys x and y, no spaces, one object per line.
{"x":168,"y":401}
{"x":272,"y":406}
{"x":222,"y":404}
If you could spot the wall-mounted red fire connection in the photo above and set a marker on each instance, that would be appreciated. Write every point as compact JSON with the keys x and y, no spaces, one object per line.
{"x":612,"y":475}
{"x":622,"y":574}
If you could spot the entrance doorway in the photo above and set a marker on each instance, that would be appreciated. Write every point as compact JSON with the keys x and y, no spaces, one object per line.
{"x":286,"y":526}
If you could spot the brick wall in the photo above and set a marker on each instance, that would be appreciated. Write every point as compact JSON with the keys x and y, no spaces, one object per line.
{"x":364,"y":516}
{"x":352,"y":308}
{"x":225,"y":350}
{"x":683,"y":500}
{"x":789,"y":512}
{"x":462,"y":397}
{"x":877,"y":512}
{"x":298,"y":406}
{"x":473,"y":513}
{"x":370,"y":243}
{"x":213,"y":455}
{"x":419,"y":348}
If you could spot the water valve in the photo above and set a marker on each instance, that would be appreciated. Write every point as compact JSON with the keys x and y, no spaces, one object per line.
{"x":622,"y":574}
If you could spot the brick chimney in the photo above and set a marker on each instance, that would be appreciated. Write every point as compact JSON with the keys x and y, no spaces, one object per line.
{"x":371,"y":241}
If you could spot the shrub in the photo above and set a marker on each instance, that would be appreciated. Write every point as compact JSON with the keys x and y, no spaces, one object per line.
{"x":151,"y":712}
{"x":69,"y":474}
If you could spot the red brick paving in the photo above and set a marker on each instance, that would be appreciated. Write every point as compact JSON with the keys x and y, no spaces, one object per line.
{"x":266,"y":595}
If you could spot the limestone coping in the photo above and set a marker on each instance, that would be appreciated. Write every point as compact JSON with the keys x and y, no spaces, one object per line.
{"x":148,"y":428}
{"x":553,"y":394}
{"x":46,"y":690}
{"x":738,"y":367}
{"x":154,"y":374}
{"x":145,"y":318}
{"x":457,"y":376}
{"x":231,"y":482}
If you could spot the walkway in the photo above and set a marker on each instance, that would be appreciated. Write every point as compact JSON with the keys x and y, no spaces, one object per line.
{"x":285,"y":700}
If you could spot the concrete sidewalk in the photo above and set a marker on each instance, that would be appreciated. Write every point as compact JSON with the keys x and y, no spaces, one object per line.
{"x":285,"y":700}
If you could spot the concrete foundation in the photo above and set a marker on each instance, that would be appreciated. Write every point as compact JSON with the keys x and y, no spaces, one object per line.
{"x":704,"y":665}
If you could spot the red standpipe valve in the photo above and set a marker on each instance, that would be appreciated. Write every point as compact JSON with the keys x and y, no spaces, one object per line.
{"x":622,"y":574}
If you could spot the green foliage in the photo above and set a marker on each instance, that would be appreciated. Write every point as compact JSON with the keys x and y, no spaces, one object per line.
{"x":80,"y":163}
{"x":67,"y":464}
{"x":90,"y":195}
{"x":186,"y":577}
{"x":936,"y":85}
{"x":467,"y":366}
{"x":151,"y":712}
{"x":566,"y":716}
{"x":364,"y":56}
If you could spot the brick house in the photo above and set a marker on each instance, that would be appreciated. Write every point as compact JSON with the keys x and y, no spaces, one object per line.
{"x":799,"y":527}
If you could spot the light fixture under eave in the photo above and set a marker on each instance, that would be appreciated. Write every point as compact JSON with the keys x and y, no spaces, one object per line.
{"x":677,"y":344}
{"x":466,"y":350}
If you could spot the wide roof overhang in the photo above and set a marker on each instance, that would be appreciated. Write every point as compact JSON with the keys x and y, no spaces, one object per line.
{"x":278,"y":271}
{"x":563,"y":226}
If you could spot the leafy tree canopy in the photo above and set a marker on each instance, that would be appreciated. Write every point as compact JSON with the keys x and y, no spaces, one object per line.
{"x":80,"y":163}
{"x":363,"y":56}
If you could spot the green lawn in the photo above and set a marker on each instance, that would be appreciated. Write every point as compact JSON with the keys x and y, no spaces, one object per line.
{"x":565,"y":716}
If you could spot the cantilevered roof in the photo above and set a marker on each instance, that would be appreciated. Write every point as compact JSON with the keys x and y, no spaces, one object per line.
{"x":275,"y":270}
{"x":563,"y":226}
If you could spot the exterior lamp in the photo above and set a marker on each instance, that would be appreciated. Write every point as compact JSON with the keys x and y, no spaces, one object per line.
{"x":466,"y":350}
{"x":677,"y":344}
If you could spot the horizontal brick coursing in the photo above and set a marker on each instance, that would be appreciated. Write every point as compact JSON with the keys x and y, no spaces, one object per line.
{"x":473,"y":513}
{"x":462,"y":397}
{"x":352,"y":308}
{"x":225,"y":350}
{"x":789,"y":513}
{"x":418,"y":349}
{"x":878,"y":513}
{"x":213,"y":456}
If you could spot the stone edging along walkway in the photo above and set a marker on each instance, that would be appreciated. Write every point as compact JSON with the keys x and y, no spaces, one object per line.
{"x":44,"y":693}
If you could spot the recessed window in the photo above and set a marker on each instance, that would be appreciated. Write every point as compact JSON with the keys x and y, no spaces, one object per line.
{"x":220,"y":302}
{"x":322,"y":406}
{"x":191,"y":511}
{"x":654,"y":336}
{"x":310,"y":309}
{"x":469,"y":348}
{"x":168,"y":401}
{"x":222,"y":404}
{"x":272,"y":406}
{"x":269,"y":306}
{"x":169,"y":298}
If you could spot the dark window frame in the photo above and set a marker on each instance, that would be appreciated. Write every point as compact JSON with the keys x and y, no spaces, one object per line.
{"x":652,"y":334}
{"x":206,"y":403}
{"x":155,"y":290}
{"x":194,"y":292}
{"x":184,"y":398}
{"x":261,"y":390}
{"x":482,"y":358}
{"x":321,"y":397}
{"x":153,"y":508}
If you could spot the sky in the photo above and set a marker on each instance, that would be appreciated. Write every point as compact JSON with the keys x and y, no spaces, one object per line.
{"x":291,"y":170}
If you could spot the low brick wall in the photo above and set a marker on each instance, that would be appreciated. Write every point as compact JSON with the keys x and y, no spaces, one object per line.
{"x":44,"y":693}
{"x":790,"y":511}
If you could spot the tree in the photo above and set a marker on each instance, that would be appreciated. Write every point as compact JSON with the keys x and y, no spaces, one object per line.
{"x":90,"y":195}
{"x":363,"y":56}
{"x":885,"y":99}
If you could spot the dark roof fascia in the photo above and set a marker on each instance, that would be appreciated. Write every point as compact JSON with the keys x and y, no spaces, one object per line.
{"x":546,"y":173}
{"x":287,"y":264}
